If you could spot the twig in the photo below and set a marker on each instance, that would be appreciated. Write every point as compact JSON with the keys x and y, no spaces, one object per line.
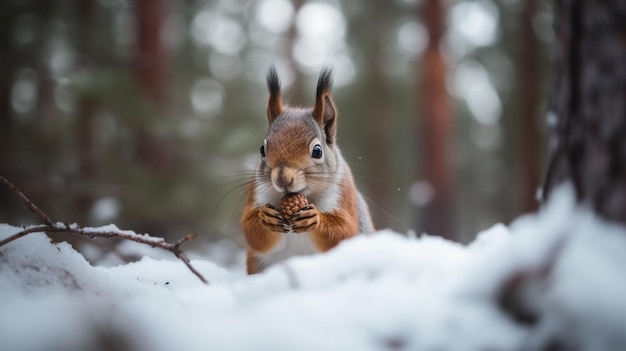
{"x":31,"y":206}
{"x":24,"y":232}
{"x":74,"y":229}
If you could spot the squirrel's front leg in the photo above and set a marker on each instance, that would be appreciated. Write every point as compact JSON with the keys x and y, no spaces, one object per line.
{"x":325,"y":229}
{"x":273,"y":220}
{"x":306,"y":220}
{"x":263,"y":227}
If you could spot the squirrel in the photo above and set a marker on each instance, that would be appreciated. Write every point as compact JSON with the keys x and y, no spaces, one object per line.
{"x":300,"y":156}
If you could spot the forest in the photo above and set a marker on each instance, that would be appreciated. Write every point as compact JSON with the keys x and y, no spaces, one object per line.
{"x":487,"y":137}
{"x":147,"y":114}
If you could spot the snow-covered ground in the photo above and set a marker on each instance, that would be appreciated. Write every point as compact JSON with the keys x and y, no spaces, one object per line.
{"x":555,"y":279}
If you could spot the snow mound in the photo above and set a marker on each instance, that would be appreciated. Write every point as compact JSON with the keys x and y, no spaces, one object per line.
{"x":550,"y":280}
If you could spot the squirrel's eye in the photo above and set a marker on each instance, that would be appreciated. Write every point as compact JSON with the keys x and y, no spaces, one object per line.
{"x":317,"y":151}
{"x":262,"y":150}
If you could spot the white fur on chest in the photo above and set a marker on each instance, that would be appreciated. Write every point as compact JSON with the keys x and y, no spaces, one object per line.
{"x":290,"y":245}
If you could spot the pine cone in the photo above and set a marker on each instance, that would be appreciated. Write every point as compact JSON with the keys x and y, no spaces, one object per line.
{"x":291,"y":203}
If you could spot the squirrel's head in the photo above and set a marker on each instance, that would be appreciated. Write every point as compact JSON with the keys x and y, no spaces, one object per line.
{"x":299,"y":153}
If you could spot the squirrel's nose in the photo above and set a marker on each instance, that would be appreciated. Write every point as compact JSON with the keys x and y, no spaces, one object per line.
{"x":282,"y":178}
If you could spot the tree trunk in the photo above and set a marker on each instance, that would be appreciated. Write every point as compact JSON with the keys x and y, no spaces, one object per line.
{"x":528,"y":145}
{"x":587,"y":122}
{"x":8,"y":62}
{"x":436,"y":127}
{"x":152,"y":152}
{"x":296,"y":94}
{"x":151,"y":59}
{"x":86,"y":109}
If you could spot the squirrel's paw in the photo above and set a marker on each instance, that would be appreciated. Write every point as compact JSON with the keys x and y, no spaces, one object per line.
{"x":306,"y":220}
{"x":273,"y":220}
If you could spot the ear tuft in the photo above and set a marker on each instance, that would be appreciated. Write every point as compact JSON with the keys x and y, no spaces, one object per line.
{"x":274,"y":104}
{"x":325,"y":82}
{"x":324,"y":111}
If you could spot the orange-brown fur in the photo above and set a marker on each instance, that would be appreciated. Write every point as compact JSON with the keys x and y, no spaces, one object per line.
{"x":339,"y":224}
{"x":258,"y":237}
{"x":289,"y":166}
{"x":332,"y":228}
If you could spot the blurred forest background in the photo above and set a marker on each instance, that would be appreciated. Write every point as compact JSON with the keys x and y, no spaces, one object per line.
{"x":149,"y":113}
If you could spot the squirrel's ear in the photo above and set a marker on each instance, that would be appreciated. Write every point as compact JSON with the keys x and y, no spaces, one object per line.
{"x":275,"y":104}
{"x":324,"y":110}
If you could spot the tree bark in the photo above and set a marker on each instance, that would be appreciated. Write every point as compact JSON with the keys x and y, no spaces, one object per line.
{"x":436,"y":127}
{"x":152,"y":152}
{"x":587,"y":122}
{"x":296,"y":94}
{"x":87,"y":107}
{"x":528,"y":172}
{"x":8,"y":62}
{"x":151,"y":59}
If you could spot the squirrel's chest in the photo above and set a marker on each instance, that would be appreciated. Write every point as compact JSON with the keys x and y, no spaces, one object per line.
{"x":291,"y":244}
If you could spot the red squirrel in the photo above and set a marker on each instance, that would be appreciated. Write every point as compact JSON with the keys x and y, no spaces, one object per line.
{"x":300,"y":155}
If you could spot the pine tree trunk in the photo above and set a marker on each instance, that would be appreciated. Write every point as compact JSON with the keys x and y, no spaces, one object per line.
{"x":587,"y":122}
{"x":298,"y":93}
{"x":153,"y":152}
{"x":151,"y":58}
{"x":87,"y":106}
{"x":436,"y":127}
{"x":8,"y":61}
{"x":528,"y":145}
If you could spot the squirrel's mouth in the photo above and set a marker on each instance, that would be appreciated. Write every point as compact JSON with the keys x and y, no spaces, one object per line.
{"x":289,"y":189}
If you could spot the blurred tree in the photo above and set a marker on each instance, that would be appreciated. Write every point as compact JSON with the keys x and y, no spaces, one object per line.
{"x":87,"y":89}
{"x":528,"y":143}
{"x":150,"y":73}
{"x":86,"y":109}
{"x":8,"y":63}
{"x":151,"y":61}
{"x":296,"y":92}
{"x":436,"y":128}
{"x":587,"y":118}
{"x":24,"y":33}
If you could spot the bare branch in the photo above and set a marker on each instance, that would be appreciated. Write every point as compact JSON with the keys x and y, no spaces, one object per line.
{"x":74,"y":229}
{"x":31,"y":206}
{"x":24,"y":232}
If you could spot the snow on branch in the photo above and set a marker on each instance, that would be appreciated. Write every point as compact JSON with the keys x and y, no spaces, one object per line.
{"x":109,"y":232}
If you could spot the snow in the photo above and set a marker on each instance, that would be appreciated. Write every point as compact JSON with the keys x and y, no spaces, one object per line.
{"x":554,"y":278}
